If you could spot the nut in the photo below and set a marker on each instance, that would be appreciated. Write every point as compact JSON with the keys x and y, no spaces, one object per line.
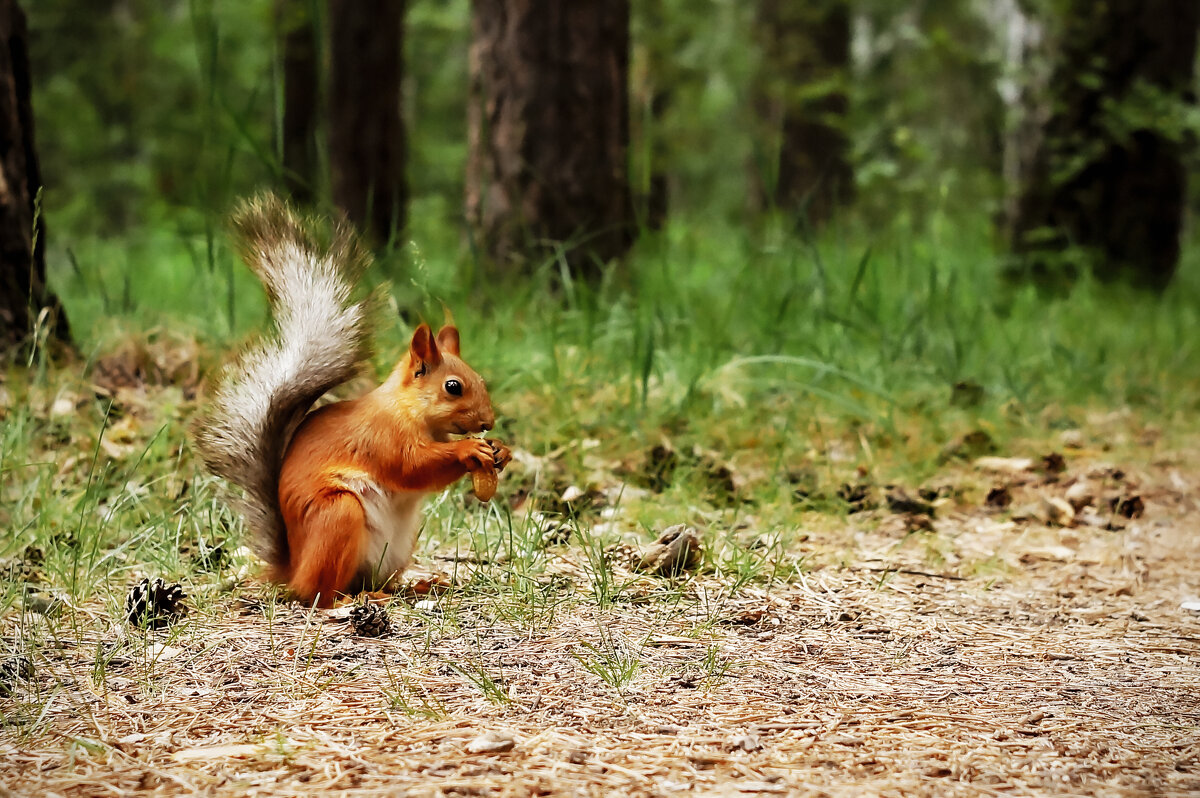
{"x":485,"y":483}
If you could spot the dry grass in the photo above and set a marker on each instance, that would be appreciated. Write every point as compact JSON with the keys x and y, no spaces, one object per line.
{"x":1061,"y":663}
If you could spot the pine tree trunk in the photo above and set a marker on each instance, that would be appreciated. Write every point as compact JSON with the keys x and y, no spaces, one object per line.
{"x":23,"y":292}
{"x":1107,"y":186}
{"x":367,"y":145}
{"x":807,"y":55}
{"x":548,"y":130}
{"x":301,"y":89}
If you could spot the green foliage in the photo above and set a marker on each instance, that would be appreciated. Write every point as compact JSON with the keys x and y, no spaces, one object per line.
{"x":166,"y":118}
{"x":927,"y":114}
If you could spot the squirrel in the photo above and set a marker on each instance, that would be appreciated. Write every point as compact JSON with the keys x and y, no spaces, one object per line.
{"x":333,"y":496}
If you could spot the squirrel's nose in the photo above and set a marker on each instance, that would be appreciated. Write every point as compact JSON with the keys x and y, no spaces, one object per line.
{"x":485,"y":426}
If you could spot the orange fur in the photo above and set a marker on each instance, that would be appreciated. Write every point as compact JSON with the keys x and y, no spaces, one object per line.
{"x":326,"y":543}
{"x":355,"y":471}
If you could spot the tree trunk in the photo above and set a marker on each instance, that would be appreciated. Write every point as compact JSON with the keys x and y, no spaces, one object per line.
{"x":23,"y":292}
{"x":807,"y":57}
{"x":549,"y":130}
{"x":366,"y":127}
{"x":1107,"y":186}
{"x":301,"y":89}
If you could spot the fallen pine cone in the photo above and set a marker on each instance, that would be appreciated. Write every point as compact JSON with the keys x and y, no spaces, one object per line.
{"x":999,"y":497}
{"x":153,"y":604}
{"x":677,"y":549}
{"x":1129,"y":506}
{"x":13,"y":670}
{"x":370,"y":620}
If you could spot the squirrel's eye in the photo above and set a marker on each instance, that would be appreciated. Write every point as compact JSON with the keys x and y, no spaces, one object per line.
{"x":454,"y":387}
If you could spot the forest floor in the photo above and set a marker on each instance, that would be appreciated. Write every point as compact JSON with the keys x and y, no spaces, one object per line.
{"x":1026,"y":626}
{"x":1065,"y":664}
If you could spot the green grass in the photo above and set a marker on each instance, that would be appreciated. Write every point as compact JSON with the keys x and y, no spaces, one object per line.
{"x":704,"y":315}
{"x":749,"y":342}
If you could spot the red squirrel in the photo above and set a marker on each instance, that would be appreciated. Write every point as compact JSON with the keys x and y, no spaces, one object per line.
{"x":333,"y":496}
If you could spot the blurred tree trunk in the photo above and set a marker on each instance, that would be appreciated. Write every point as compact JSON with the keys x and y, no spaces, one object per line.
{"x":1024,"y":81}
{"x":367,"y":145}
{"x":548,"y":124}
{"x":301,"y":88}
{"x":1107,"y":185}
{"x":806,"y":49}
{"x":23,"y":292}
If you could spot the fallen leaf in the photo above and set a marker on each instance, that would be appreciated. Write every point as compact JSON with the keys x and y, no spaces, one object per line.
{"x":428,"y":585}
{"x":160,"y":652}
{"x":1080,"y":495}
{"x":1088,"y":517}
{"x":843,"y":739}
{"x":1004,"y":465}
{"x":751,"y":616}
{"x":120,"y":438}
{"x":492,"y":742}
{"x":64,"y":405}
{"x":1058,"y":511}
{"x":1056,"y":553}
{"x":573,"y":493}
{"x":744,"y":742}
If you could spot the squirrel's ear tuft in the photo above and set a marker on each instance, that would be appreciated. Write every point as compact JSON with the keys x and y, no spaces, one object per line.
{"x":423,"y":352}
{"x":447,"y":339}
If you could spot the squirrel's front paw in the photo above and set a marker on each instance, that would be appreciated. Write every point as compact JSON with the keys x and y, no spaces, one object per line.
{"x":501,"y":455}
{"x":476,"y":454}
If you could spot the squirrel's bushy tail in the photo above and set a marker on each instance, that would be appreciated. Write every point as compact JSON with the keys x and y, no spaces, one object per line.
{"x":321,"y":336}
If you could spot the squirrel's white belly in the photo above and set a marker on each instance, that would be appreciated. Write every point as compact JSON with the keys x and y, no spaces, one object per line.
{"x":393,"y":523}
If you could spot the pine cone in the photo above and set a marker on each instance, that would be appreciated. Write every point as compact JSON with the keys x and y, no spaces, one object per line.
{"x":154,"y":604}
{"x":370,"y":620}
{"x":11,"y":671}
